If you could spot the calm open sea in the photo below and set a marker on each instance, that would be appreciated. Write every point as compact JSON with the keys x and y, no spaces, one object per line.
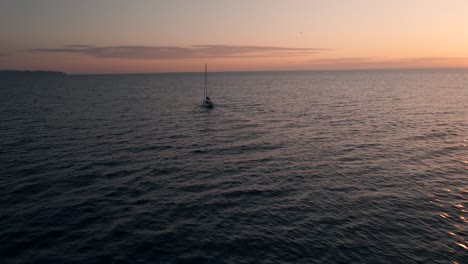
{"x":289,"y":167}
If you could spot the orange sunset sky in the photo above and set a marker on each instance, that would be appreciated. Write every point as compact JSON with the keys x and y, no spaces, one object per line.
{"x":116,"y":36}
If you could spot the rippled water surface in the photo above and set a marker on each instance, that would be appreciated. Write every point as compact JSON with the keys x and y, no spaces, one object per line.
{"x":289,"y":167}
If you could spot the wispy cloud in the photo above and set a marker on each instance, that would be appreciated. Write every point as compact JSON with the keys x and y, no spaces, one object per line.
{"x":384,"y":62}
{"x":345,"y":60}
{"x":434,"y":59}
{"x":78,"y":46}
{"x":172,"y":52}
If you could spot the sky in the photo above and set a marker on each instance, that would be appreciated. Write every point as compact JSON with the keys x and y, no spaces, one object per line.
{"x":117,"y":36}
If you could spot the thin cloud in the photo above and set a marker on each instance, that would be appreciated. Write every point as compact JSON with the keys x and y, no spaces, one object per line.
{"x":434,"y":59}
{"x":172,"y":52}
{"x":346,"y":60}
{"x":371,"y":62}
{"x":78,"y":46}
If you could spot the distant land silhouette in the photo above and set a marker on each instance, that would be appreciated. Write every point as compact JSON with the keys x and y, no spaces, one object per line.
{"x":15,"y":72}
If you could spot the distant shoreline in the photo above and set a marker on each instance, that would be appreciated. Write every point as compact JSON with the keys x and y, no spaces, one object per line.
{"x":57,"y":73}
{"x":21,"y":73}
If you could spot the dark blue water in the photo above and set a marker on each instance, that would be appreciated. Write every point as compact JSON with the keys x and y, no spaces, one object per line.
{"x":289,"y":167}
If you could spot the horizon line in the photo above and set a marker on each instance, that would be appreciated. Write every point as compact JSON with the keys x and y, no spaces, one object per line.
{"x":254,"y":71}
{"x":298,"y":70}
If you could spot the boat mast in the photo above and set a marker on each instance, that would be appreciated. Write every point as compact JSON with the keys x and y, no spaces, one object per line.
{"x":206,"y":82}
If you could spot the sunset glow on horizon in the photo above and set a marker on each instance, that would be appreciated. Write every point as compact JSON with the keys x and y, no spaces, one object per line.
{"x":178,"y":36}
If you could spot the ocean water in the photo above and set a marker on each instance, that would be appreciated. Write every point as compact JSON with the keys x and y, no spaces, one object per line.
{"x":289,"y":167}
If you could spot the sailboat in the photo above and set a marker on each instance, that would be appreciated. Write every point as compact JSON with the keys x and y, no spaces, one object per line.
{"x":206,"y":100}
